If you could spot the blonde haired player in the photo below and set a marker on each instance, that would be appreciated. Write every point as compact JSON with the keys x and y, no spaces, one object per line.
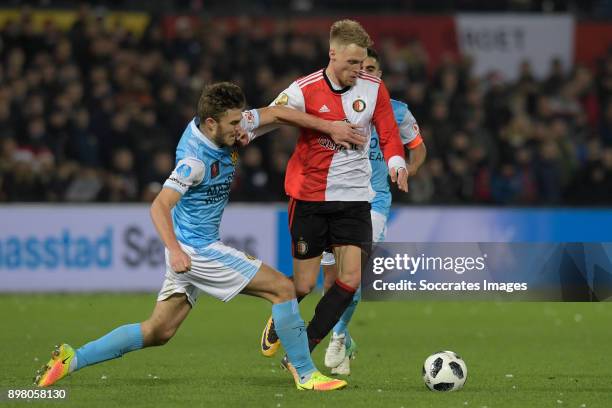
{"x":329,"y":185}
{"x":342,"y":348}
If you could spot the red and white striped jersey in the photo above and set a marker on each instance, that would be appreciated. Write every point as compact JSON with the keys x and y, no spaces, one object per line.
{"x":321,"y":170}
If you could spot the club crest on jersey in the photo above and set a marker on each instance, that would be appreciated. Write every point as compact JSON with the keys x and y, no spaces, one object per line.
{"x":249,"y":117}
{"x":359,"y":105}
{"x":302,"y":247}
{"x":214,"y":169}
{"x":283,"y":99}
{"x":184,"y":170}
{"x":234,"y":157}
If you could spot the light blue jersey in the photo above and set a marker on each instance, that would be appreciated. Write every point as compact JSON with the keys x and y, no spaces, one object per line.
{"x":203,"y":175}
{"x":409,"y":131}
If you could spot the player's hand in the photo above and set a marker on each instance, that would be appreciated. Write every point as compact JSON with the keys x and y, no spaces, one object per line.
{"x":399,"y":176}
{"x":243,"y":138}
{"x":347,"y":134}
{"x":180,"y":262}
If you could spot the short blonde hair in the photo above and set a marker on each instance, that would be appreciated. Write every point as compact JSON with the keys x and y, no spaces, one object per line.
{"x":347,"y":32}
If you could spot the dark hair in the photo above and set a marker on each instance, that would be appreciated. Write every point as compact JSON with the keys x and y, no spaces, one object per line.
{"x":373,"y":54}
{"x":217,"y":98}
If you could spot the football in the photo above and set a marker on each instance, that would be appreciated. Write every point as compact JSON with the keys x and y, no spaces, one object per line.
{"x":444,"y":371}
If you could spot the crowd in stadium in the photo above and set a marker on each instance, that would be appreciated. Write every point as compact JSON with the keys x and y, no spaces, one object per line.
{"x":94,"y":114}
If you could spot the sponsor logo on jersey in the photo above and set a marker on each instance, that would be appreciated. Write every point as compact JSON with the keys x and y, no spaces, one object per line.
{"x":329,"y":144}
{"x":178,"y":182}
{"x":324,"y":109}
{"x":283,"y":99}
{"x":214,"y":169}
{"x":184,"y":170}
{"x":359,"y":105}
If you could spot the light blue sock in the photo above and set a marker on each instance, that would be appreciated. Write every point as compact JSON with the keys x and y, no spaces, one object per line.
{"x":112,"y":345}
{"x":292,"y":334}
{"x":342,"y":325}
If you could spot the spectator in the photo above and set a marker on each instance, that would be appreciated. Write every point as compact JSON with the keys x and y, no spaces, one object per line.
{"x":94,"y":113}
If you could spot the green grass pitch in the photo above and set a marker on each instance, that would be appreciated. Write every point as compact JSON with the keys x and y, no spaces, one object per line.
{"x":518,"y":354}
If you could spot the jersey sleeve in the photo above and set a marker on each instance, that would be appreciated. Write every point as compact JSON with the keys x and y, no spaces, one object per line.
{"x":409,"y":131}
{"x":291,"y":97}
{"x":250,"y":120}
{"x":188,"y":172}
{"x":386,"y":127}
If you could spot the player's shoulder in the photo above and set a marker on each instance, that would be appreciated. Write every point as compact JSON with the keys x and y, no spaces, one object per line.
{"x":195,"y":145}
{"x":310,"y":79}
{"x":399,"y":105}
{"x":364,"y":76}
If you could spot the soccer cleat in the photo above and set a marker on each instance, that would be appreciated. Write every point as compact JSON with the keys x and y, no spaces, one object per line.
{"x":57,"y":368}
{"x":337,"y":354}
{"x":320,"y":382}
{"x":315,"y":381}
{"x":344,"y":368}
{"x":336,"y":351}
{"x":285,"y":364}
{"x":269,"y":339}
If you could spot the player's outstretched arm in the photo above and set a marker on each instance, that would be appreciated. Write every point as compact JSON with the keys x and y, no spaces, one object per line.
{"x":410,"y":134}
{"x":162,"y":219}
{"x":342,"y":133}
{"x":416,"y":159}
{"x":390,"y":142}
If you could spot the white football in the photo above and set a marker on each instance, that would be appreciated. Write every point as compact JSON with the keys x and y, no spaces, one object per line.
{"x":444,"y":371}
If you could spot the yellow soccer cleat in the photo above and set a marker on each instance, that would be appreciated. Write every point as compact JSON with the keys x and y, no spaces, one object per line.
{"x":57,"y":368}
{"x":316,"y":380}
{"x":320,"y":382}
{"x":270,"y":342}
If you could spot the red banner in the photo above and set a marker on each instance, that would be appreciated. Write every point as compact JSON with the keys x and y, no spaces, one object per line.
{"x":593,"y":39}
{"x":437,"y":33}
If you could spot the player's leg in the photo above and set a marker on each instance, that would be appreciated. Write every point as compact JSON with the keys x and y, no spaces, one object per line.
{"x":224,"y":272}
{"x":173,"y":304}
{"x":339,"y":295}
{"x":305,"y":273}
{"x":165,"y":320}
{"x":157,"y":330}
{"x":279,"y":290}
{"x":336,"y":356}
{"x":342,"y":347}
{"x":350,"y":230}
{"x":308,"y":234}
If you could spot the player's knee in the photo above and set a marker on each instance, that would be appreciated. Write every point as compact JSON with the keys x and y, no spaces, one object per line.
{"x":163,"y":336}
{"x":351,"y":279}
{"x":156,"y":335}
{"x":303,"y":288}
{"x":284,"y":290}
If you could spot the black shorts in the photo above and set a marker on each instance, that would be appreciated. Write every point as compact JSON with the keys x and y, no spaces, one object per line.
{"x":319,"y":225}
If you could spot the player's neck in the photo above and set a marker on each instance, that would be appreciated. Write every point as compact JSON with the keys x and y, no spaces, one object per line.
{"x":333,"y":79}
{"x":206,"y":135}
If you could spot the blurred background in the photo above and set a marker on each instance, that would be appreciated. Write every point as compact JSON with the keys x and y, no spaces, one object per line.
{"x":512,"y":96}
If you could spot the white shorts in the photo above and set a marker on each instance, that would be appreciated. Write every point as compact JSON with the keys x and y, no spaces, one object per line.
{"x":379,"y":233}
{"x":216,"y":269}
